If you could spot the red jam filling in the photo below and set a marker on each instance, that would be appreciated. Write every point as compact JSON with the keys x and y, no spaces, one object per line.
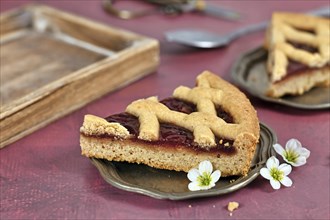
{"x":295,"y":67}
{"x":172,"y":135}
{"x":187,"y":107}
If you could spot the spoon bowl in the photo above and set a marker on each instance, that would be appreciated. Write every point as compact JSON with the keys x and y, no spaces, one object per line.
{"x":204,"y":39}
{"x":196,"y":38}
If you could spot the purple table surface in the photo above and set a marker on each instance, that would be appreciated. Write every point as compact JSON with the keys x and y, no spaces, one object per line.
{"x":44,"y":176}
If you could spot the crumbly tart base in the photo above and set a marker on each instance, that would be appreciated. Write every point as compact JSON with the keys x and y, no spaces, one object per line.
{"x":300,"y":83}
{"x":177,"y":158}
{"x":102,"y":139}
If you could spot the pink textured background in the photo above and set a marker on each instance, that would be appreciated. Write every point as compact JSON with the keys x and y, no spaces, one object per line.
{"x":44,"y":176}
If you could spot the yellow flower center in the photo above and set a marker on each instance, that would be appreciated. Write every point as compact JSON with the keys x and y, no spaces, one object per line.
{"x":204,"y":179}
{"x":291,"y":156}
{"x":276,"y":174}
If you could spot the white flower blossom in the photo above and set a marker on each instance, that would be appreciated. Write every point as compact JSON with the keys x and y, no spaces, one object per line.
{"x":276,"y":173}
{"x":294,"y":153}
{"x":203,"y":178}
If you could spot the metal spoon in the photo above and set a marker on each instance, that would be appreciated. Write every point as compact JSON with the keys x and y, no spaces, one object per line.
{"x":205,"y":39}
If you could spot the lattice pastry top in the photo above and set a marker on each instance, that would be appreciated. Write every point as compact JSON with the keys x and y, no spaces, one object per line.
{"x":286,"y":31}
{"x":210,"y":93}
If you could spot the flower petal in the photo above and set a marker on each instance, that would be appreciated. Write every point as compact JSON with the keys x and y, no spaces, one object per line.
{"x":205,"y":167}
{"x":193,"y":174}
{"x":279,"y":149}
{"x":207,"y":187}
{"x":299,"y":162}
{"x":193,"y":186}
{"x":286,"y":181}
{"x":285,"y":168}
{"x":275,"y":184}
{"x":215,"y":176}
{"x":265,"y":173}
{"x":272,"y":162}
{"x":304,"y":152}
{"x":293,"y":144}
{"x":286,"y":160}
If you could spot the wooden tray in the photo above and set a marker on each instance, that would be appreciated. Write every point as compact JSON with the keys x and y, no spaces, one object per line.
{"x":53,"y":63}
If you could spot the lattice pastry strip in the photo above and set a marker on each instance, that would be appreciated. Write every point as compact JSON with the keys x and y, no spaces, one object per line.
{"x":209,"y":93}
{"x":204,"y":123}
{"x":287,"y":28}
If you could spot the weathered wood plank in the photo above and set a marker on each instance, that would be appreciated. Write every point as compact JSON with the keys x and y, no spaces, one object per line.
{"x":50,"y":68}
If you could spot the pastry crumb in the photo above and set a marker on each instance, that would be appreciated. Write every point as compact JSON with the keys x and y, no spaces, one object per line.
{"x":232,"y":206}
{"x":189,"y":206}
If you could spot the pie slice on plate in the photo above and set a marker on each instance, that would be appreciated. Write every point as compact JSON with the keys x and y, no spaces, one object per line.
{"x":298,"y":53}
{"x":213,"y":121}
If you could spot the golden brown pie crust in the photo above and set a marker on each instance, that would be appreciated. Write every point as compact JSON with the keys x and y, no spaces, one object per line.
{"x":117,"y":144}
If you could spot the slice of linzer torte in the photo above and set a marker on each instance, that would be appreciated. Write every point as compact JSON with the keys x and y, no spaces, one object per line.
{"x":213,"y":121}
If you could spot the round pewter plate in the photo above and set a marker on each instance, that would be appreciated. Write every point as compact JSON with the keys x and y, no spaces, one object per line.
{"x":166,"y":184}
{"x":249,"y":72}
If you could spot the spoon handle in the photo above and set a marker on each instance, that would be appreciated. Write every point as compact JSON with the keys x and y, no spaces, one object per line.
{"x":247,"y":29}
